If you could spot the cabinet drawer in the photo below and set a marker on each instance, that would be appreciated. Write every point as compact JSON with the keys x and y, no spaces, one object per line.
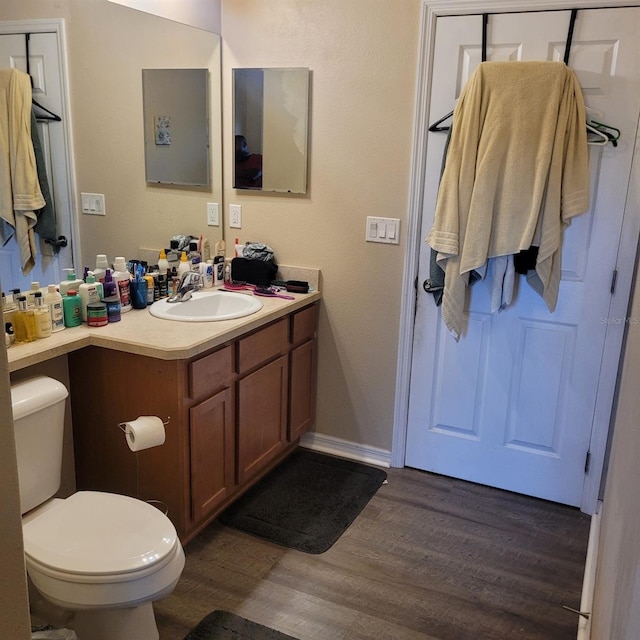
{"x":210,"y":373}
{"x":263,"y":345}
{"x":304,"y":324}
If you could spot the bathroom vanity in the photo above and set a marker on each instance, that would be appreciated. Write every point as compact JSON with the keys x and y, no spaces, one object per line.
{"x":236,"y":396}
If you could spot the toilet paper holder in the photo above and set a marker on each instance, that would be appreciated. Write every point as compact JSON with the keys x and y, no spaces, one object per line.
{"x":123,"y":425}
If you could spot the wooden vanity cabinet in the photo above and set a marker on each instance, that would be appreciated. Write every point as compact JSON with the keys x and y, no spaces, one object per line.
{"x":235,"y":412}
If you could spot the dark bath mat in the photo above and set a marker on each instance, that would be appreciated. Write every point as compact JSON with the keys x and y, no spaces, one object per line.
{"x":222,"y":625}
{"x":307,"y":502}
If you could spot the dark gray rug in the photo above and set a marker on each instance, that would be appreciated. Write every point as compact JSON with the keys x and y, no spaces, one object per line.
{"x":222,"y":625}
{"x":307,"y":502}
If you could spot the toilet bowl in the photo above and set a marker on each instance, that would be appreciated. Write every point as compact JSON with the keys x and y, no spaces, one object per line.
{"x":104,"y":556}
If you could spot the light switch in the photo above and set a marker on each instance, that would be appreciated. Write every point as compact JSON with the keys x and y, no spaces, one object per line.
{"x":93,"y":203}
{"x":385,"y":230}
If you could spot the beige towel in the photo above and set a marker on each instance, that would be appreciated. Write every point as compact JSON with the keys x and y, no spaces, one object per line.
{"x":516,"y":172}
{"x":20,"y":194}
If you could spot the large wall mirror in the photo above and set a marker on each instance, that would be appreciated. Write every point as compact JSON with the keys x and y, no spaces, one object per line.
{"x":270,"y":122}
{"x":176,"y":126}
{"x":107,"y":47}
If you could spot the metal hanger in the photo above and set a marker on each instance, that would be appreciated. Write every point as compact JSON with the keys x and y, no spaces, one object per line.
{"x":48,"y":115}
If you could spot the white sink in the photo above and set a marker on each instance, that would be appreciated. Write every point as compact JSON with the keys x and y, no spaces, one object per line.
{"x":207,"y":306}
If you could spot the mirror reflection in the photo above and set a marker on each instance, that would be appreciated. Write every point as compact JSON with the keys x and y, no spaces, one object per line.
{"x":176,"y":132}
{"x":270,"y":122}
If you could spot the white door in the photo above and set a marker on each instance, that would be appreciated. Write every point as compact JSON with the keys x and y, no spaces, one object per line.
{"x":46,"y":71}
{"x":512,"y":404}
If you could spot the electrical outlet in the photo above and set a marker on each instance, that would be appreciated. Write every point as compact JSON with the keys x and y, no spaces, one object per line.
{"x":235,"y":216}
{"x":213,"y":214}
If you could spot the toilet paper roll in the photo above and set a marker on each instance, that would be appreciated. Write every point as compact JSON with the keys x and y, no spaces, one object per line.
{"x":144,"y":432}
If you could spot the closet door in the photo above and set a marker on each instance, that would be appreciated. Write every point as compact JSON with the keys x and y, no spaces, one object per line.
{"x":45,"y":69}
{"x":513,"y":404}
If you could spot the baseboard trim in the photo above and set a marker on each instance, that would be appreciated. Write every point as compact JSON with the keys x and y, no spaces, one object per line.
{"x":345,"y":449}
{"x":588,"y":583}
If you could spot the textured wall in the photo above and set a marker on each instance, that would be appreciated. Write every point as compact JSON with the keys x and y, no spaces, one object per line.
{"x":363,"y":60}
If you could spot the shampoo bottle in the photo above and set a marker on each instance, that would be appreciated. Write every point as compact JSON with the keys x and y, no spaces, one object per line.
{"x":72,"y":307}
{"x":54,"y":301}
{"x":123,"y":284}
{"x":90,"y":292}
{"x":109,"y":286}
{"x":43,"y":316}
{"x":24,"y":322}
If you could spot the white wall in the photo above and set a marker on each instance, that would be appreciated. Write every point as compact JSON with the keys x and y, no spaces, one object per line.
{"x":204,"y":14}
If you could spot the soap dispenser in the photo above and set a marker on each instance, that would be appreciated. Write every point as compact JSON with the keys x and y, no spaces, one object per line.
{"x":90,"y":292}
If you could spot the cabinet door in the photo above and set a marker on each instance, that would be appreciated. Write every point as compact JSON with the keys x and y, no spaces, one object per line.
{"x":262,"y":417}
{"x":302,"y":390}
{"x":212,"y":453}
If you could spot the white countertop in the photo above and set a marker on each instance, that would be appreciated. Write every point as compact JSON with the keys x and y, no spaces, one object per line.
{"x":141,"y":333}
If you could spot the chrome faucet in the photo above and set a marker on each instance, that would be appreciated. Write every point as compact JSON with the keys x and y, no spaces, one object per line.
{"x":191,"y":281}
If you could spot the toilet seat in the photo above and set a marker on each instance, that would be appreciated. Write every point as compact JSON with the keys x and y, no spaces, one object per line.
{"x":93,"y":536}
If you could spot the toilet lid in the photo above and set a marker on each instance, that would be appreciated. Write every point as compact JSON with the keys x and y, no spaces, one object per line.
{"x":99,"y":533}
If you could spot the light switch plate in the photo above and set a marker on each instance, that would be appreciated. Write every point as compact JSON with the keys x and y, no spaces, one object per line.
{"x":384,"y":230}
{"x":93,"y":204}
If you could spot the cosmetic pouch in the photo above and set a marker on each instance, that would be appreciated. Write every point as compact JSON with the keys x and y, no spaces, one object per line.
{"x":253,"y":271}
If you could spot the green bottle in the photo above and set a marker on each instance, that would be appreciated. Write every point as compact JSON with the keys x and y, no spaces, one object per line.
{"x":72,"y":309}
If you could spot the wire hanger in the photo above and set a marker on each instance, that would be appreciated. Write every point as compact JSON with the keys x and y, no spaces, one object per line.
{"x":48,"y":114}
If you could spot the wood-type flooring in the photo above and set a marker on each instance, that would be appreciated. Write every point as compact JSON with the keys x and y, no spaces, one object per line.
{"x":429,"y":558}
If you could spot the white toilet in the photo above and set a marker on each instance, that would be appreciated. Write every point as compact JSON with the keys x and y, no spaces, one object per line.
{"x":104,"y":556}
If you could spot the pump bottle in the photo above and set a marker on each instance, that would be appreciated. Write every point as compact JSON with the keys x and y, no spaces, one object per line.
{"x":24,"y":322}
{"x":42,"y":315}
{"x":90,"y":292}
{"x":70,"y":283}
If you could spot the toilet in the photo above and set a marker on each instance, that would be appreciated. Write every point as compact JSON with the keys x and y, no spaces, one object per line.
{"x":104,"y":556}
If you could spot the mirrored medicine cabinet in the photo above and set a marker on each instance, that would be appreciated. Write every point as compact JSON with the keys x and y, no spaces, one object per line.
{"x":270,"y":125}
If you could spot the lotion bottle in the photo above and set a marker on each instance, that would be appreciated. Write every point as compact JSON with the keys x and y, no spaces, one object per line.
{"x":42,"y":315}
{"x":163,"y":263}
{"x":123,"y":284}
{"x":54,"y":300}
{"x":90,"y":292}
{"x":70,"y":283}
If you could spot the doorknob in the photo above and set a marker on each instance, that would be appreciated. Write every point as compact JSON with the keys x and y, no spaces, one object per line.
{"x":59,"y":243}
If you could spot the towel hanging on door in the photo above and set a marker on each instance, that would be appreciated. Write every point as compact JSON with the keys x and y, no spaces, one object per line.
{"x":20,"y":194}
{"x":516,"y":173}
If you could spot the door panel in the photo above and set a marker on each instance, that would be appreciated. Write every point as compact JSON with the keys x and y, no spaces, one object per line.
{"x":512,"y":403}
{"x":45,"y":69}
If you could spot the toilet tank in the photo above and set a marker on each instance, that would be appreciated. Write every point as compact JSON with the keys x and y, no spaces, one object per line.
{"x":38,"y":420}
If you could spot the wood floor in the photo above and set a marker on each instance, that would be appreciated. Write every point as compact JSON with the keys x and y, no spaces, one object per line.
{"x":430,"y":558}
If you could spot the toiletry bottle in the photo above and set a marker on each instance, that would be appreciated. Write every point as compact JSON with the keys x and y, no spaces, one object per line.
{"x":90,"y":292}
{"x":109,"y":287}
{"x":218,"y":270}
{"x":54,"y":300}
{"x":184,"y":265}
{"x":206,"y":271}
{"x":206,"y":250}
{"x":71,"y":282}
{"x":35,"y":286}
{"x":72,"y":307}
{"x":151,"y":284}
{"x":9,"y":336}
{"x":24,"y":322}
{"x":102,"y":264}
{"x":8,"y":307}
{"x":163,"y":263}
{"x":123,"y":283}
{"x":43,"y":316}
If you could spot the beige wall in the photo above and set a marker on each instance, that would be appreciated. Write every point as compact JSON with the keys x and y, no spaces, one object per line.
{"x":363,"y":58}
{"x":616,"y":607}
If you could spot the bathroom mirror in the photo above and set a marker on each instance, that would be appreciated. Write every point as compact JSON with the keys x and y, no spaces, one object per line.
{"x":270,"y":125}
{"x":176,"y":126}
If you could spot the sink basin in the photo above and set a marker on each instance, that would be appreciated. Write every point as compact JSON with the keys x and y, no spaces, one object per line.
{"x":207,"y":306}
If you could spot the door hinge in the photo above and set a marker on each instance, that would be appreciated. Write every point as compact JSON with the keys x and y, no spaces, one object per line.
{"x":587,"y":462}
{"x":614,"y":277}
